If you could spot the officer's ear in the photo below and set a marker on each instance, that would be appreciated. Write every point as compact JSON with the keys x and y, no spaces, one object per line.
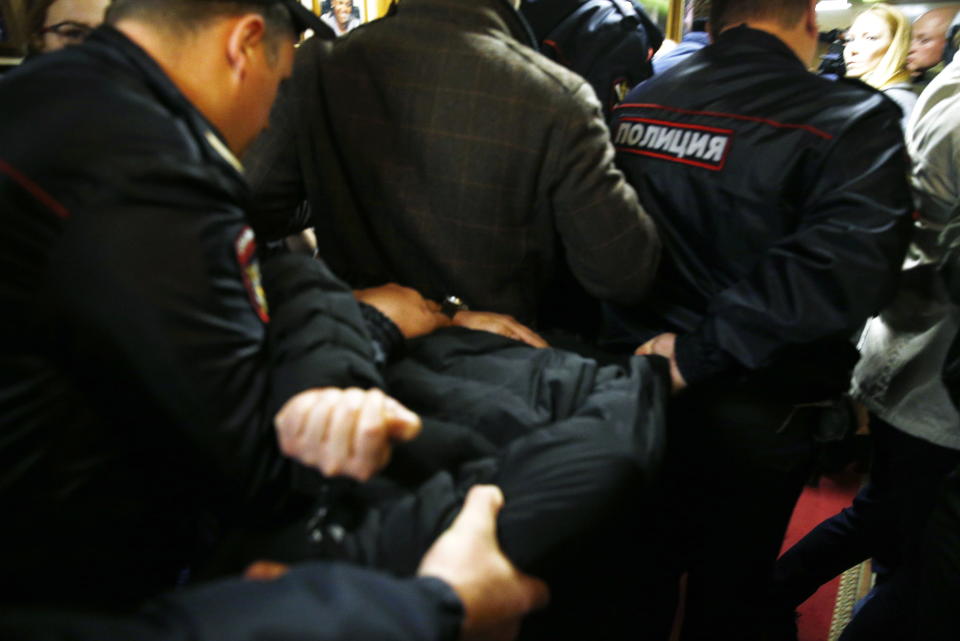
{"x":810,"y":19}
{"x":244,"y":38}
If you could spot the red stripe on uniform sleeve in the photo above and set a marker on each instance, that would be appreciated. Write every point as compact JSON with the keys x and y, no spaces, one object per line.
{"x":720,"y":114}
{"x":34,"y":189}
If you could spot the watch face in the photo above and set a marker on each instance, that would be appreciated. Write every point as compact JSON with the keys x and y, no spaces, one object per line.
{"x":451,"y":305}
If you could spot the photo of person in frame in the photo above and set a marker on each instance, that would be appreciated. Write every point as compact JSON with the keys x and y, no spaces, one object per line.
{"x":342,"y":15}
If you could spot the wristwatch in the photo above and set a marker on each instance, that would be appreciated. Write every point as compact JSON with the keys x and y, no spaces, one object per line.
{"x":453,"y":304}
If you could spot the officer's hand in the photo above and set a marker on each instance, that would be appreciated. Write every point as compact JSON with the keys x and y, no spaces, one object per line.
{"x":499,"y":324}
{"x":344,"y":432}
{"x":411,"y":312}
{"x":664,"y":345}
{"x":495,"y":595}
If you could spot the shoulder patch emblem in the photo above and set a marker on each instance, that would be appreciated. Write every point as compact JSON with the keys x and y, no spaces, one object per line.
{"x":246,"y":246}
{"x":619,"y":90}
{"x":697,"y":145}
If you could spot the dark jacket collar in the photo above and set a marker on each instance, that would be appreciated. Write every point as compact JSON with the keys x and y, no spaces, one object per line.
{"x":126,"y":53}
{"x":498,"y":15}
{"x":129,"y":54}
{"x":748,"y":42}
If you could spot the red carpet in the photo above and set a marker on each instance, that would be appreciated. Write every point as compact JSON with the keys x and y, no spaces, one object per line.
{"x":815,"y":505}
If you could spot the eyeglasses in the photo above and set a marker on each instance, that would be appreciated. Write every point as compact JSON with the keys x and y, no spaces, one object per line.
{"x":69,"y":31}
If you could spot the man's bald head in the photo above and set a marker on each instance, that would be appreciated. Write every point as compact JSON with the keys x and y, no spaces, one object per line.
{"x":929,"y":39}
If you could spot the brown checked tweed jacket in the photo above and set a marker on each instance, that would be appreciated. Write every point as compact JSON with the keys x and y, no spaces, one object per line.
{"x":437,"y":149}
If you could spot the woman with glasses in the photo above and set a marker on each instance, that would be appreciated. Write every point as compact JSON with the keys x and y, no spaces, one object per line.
{"x":54,"y":24}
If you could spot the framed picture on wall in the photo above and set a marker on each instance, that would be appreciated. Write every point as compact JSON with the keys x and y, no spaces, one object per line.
{"x":342,"y":15}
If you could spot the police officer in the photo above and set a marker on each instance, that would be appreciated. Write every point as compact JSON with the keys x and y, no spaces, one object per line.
{"x":783,"y":203}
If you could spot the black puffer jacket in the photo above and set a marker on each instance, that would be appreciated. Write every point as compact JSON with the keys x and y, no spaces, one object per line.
{"x":783,"y":201}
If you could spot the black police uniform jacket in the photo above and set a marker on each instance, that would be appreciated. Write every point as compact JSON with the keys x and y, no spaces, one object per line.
{"x":141,"y":366}
{"x":136,"y":386}
{"x":783,"y":202}
{"x":320,"y":601}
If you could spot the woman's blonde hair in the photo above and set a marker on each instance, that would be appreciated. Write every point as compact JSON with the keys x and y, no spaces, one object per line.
{"x":892,"y":68}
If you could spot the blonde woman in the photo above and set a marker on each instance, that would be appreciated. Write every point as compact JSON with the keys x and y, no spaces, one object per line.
{"x":876,"y":53}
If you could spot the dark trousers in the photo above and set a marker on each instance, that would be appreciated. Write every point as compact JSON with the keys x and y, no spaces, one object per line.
{"x":885,"y":522}
{"x":736,"y":464}
{"x":939,"y":575}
